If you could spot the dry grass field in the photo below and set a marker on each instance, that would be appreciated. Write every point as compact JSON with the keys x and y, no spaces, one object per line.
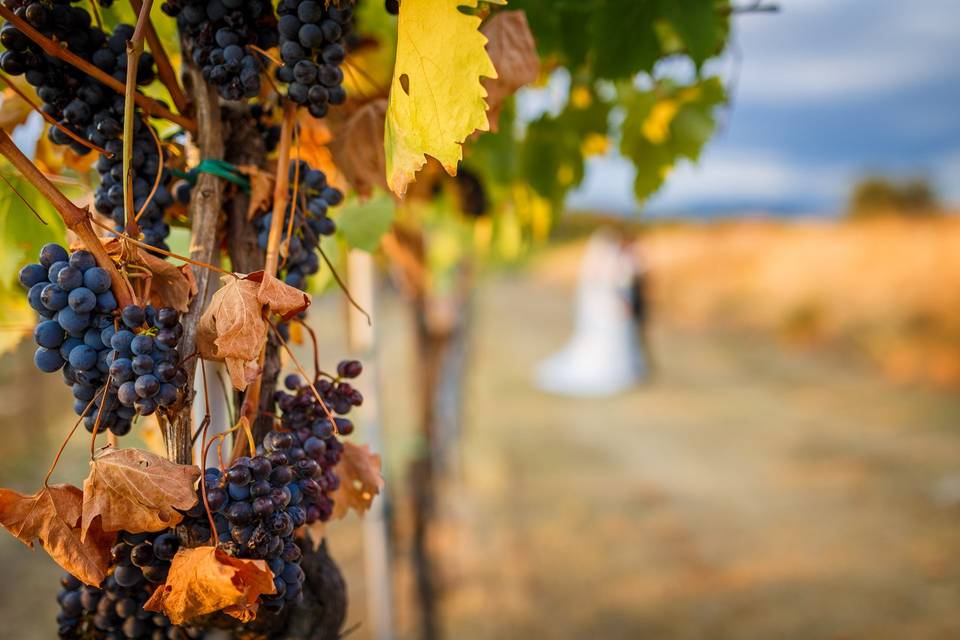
{"x":886,"y":288}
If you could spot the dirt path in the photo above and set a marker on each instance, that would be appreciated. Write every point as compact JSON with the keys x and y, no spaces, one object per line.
{"x":749,"y":492}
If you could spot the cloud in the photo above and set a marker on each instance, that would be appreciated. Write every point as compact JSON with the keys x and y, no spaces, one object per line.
{"x":723,"y":178}
{"x":817,"y":51}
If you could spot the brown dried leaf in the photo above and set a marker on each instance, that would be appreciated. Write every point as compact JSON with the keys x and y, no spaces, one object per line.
{"x":514,"y":55}
{"x":360,"y":480}
{"x":203,"y":580}
{"x":233,"y":328}
{"x":53,"y":517}
{"x":283,"y":300}
{"x":170,"y":286}
{"x":261,"y":189}
{"x":358,"y":148}
{"x":136,"y":491}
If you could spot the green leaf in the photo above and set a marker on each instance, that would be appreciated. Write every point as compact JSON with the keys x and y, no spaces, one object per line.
{"x":551,"y":160}
{"x":362,"y":224}
{"x":21,"y":233}
{"x":700,"y":24}
{"x":623,"y":36}
{"x":664,"y":125}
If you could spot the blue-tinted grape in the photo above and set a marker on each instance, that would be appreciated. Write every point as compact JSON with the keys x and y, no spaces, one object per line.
{"x":49,"y":334}
{"x":97,"y":280}
{"x":47,"y":360}
{"x":82,"y":300}
{"x":32,"y":274}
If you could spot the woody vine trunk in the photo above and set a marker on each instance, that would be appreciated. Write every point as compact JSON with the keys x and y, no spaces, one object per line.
{"x":219,"y":218}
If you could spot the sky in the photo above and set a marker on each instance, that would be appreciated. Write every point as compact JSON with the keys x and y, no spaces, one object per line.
{"x":824,"y":92}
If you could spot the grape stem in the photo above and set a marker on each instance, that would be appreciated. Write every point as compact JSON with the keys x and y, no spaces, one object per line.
{"x":56,"y":459}
{"x":134,"y":49}
{"x":51,"y":48}
{"x":76,"y":219}
{"x":251,"y":399}
{"x":96,"y":423}
{"x":164,"y":69}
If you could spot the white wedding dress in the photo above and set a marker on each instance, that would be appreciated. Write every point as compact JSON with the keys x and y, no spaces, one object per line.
{"x":604,"y":356}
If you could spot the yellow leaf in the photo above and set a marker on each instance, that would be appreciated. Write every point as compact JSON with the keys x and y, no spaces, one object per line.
{"x":436,"y":98}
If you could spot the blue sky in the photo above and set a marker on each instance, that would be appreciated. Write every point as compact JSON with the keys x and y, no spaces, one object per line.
{"x":826,"y":91}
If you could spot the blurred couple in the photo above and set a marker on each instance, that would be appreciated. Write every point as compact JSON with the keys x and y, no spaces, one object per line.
{"x":609,"y":350}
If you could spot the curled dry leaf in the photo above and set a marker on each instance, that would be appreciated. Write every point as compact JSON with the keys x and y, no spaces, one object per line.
{"x":53,"y":517}
{"x":233,"y":328}
{"x":261,"y":189}
{"x":203,"y":580}
{"x":514,"y":54}
{"x":283,"y":300}
{"x":360,"y":480}
{"x":170,"y":285}
{"x":358,"y":148}
{"x":136,"y":491}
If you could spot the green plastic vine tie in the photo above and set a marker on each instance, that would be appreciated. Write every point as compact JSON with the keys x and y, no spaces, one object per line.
{"x":219,"y":168}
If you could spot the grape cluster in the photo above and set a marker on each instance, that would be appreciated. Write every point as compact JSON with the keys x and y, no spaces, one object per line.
{"x":310,"y":425}
{"x":310,"y":221}
{"x":143,"y":558}
{"x":146,"y":162}
{"x":473,"y":195}
{"x":73,"y":299}
{"x":77,"y":333}
{"x":269,"y":130}
{"x":88,"y":108}
{"x":69,"y":94}
{"x":218,"y":32}
{"x":257,"y":505}
{"x":312,"y":50}
{"x":144,"y":366}
{"x":112,"y":611}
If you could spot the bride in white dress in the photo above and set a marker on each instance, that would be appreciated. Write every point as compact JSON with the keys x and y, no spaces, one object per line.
{"x":604,"y":356}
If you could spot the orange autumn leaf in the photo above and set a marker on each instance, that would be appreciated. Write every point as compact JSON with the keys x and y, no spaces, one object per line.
{"x":314,"y":148}
{"x":233,"y":328}
{"x":514,"y":55}
{"x":53,"y":517}
{"x":360,"y":479}
{"x":203,"y":580}
{"x":136,"y":491}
